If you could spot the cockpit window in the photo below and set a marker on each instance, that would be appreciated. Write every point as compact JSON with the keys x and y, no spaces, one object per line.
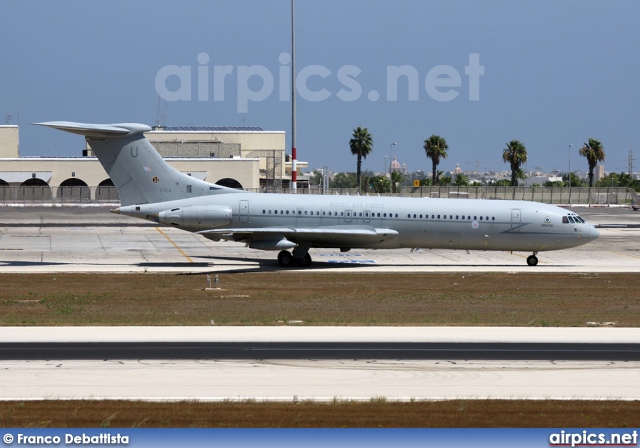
{"x":573,"y":219}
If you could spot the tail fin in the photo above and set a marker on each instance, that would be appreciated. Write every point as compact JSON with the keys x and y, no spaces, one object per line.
{"x":137,"y":170}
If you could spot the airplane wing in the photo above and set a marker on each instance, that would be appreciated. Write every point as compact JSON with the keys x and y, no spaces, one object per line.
{"x":331,"y":236}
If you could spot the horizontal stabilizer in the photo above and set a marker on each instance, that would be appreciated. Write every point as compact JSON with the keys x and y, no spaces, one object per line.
{"x":98,"y":130}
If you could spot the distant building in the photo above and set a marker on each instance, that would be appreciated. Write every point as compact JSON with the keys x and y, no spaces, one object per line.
{"x":598,"y":172}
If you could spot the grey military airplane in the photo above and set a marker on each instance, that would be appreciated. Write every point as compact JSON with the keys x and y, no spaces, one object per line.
{"x":151,"y":189}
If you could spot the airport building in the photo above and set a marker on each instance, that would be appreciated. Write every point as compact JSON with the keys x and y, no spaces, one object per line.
{"x":249,"y":158}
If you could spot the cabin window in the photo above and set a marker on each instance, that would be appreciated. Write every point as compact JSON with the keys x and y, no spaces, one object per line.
{"x":420,"y":216}
{"x":264,"y":212}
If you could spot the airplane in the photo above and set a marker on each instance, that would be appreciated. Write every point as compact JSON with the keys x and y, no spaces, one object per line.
{"x":150,"y":189}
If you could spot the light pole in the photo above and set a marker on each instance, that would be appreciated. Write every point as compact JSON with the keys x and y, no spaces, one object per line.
{"x":569,"y":175}
{"x":385,"y":164}
{"x":294,"y":152}
{"x":390,"y":147}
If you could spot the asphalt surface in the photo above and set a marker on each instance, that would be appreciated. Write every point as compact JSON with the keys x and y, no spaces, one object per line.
{"x":306,"y":350}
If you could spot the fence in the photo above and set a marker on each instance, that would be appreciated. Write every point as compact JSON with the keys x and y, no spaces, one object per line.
{"x":550,"y":195}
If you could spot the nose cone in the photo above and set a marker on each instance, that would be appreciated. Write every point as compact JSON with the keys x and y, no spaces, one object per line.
{"x":593,"y":233}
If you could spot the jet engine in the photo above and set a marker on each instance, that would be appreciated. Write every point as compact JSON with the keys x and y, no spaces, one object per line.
{"x":197,"y":216}
{"x":274,"y":244}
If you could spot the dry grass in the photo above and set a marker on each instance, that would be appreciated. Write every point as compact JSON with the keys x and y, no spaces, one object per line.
{"x":321,"y":299}
{"x":377,"y":413}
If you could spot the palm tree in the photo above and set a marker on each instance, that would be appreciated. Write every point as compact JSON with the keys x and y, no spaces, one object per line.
{"x":396,"y":178}
{"x":515,"y":154}
{"x":436,"y":148}
{"x":361,"y":145}
{"x":594,"y":152}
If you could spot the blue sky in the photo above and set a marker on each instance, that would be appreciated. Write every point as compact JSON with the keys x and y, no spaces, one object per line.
{"x":555,"y":73}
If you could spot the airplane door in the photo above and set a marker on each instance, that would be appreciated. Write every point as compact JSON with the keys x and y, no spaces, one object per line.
{"x":244,"y":212}
{"x":515,"y":219}
{"x":347,"y":215}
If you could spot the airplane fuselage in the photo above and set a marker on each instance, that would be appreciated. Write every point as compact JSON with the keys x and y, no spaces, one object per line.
{"x":419,"y":222}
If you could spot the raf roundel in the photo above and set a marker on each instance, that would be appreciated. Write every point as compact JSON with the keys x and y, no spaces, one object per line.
{"x":475,"y":224}
{"x":547,"y":219}
{"x":155,"y":179}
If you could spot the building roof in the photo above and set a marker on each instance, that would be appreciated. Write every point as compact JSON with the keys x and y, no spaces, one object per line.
{"x":209,"y":128}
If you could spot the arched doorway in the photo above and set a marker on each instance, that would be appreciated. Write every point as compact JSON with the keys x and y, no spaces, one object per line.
{"x":74,"y":190}
{"x":107,"y":192}
{"x":5,"y":191}
{"x":35,"y":190}
{"x":230,"y":183}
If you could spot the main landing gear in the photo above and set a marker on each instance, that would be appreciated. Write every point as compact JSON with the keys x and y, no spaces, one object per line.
{"x":532,"y":260}
{"x":285,"y":259}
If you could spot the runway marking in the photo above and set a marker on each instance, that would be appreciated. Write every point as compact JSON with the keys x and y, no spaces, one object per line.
{"x":622,"y":253}
{"x":174,"y":245}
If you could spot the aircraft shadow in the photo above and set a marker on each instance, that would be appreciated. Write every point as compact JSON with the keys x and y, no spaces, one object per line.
{"x":272,"y":265}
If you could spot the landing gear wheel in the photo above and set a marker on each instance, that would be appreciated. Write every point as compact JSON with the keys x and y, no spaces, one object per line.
{"x":285,"y":259}
{"x":532,"y":260}
{"x":305,"y":261}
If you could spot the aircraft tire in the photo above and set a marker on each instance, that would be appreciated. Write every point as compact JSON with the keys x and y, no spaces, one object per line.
{"x":305,"y":261}
{"x":285,"y":259}
{"x":532,"y":260}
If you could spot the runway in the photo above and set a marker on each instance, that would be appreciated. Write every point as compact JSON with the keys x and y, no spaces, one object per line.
{"x":94,"y":240}
{"x":334,"y":351}
{"x":162,"y":363}
{"x":320,"y":363}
